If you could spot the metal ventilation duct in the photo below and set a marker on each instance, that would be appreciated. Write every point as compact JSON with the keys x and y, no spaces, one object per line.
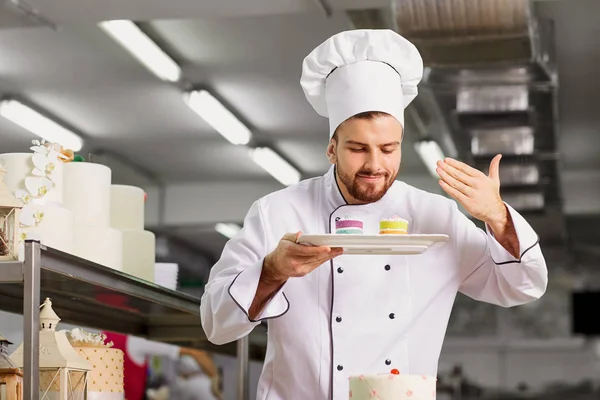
{"x":460,"y":19}
{"x":489,"y":87}
{"x":463,"y":32}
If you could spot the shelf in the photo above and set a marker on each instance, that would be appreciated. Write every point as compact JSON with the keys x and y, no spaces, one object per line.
{"x":91,"y":295}
{"x":88,"y":294}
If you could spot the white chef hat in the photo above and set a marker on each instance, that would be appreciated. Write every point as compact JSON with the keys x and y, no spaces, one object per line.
{"x":361,"y":70}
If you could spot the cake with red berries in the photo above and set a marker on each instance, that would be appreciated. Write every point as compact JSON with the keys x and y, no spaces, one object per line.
{"x":392,"y":386}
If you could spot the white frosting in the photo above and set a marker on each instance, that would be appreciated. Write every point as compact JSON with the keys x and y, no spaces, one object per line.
{"x":82,"y":338}
{"x":54,"y":230}
{"x":394,"y":219}
{"x":37,"y":180}
{"x":127,"y":215}
{"x":127,"y":207}
{"x":20,"y":176}
{"x":139,"y":254}
{"x":392,"y":387}
{"x":87,"y":193}
{"x":100,"y":245}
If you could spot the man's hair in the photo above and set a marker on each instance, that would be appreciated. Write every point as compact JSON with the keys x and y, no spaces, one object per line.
{"x":367,"y":115}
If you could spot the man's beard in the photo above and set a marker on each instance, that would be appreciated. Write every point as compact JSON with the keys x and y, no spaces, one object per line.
{"x":362,"y":191}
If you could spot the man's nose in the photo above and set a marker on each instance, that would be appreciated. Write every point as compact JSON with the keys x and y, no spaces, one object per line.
{"x":373,"y":162}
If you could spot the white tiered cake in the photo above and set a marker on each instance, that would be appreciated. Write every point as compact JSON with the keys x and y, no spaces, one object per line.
{"x":127,"y":215}
{"x":392,"y":387}
{"x":87,"y":195}
{"x":37,"y":179}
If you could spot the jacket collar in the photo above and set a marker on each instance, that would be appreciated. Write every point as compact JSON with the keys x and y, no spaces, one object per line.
{"x":333,"y":194}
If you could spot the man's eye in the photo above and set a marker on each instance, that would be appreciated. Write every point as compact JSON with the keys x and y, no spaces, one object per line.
{"x":356,"y":150}
{"x":386,"y":151}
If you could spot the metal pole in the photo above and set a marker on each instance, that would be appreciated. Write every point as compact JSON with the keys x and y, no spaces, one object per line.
{"x":31,"y":323}
{"x":243,"y":350}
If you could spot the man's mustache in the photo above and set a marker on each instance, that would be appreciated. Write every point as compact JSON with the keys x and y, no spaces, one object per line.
{"x":370,"y":174}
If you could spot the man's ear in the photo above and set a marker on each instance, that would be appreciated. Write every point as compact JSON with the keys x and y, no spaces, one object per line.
{"x":331,"y":151}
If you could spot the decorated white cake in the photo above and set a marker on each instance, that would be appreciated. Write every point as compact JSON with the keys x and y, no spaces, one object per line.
{"x":106,"y":379}
{"x":37,"y":179}
{"x":392,"y":386}
{"x":87,"y":196}
{"x":127,"y":216}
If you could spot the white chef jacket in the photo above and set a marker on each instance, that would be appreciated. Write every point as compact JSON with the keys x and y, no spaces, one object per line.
{"x":361,"y":314}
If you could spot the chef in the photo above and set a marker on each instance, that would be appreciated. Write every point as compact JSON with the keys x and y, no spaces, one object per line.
{"x":332,"y":315}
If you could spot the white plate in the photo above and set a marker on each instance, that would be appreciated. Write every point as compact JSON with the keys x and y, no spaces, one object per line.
{"x":377,"y":244}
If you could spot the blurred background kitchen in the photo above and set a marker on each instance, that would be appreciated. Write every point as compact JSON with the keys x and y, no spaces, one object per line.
{"x":511,"y":76}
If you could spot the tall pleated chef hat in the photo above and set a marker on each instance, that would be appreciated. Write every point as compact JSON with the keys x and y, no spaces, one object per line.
{"x":361,"y":70}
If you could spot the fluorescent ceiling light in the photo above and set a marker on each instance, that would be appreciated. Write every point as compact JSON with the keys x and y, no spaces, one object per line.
{"x":227,"y":230}
{"x":430,"y":153}
{"x":33,"y":121}
{"x":275,"y":165}
{"x":143,"y":48}
{"x":216,"y":115}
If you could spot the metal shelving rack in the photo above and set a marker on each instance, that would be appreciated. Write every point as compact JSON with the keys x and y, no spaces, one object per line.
{"x":88,"y":294}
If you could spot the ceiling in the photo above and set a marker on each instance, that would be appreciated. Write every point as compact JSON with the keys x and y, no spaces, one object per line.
{"x":249,"y":54}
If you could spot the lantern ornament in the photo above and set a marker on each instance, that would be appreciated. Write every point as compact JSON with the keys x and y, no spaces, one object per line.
{"x":11,"y":377}
{"x":63,"y":373}
{"x":10,"y":207}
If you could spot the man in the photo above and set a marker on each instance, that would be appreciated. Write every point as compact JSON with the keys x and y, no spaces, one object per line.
{"x":332,"y":315}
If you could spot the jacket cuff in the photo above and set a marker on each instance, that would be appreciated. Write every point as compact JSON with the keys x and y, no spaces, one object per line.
{"x":528,"y":240}
{"x":243,"y":289}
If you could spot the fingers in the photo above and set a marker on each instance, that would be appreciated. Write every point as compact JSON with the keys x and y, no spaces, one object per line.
{"x":455,"y":173}
{"x":454,"y":193}
{"x":495,"y":168}
{"x":301,"y":266}
{"x":462,"y":167}
{"x":318,"y":261}
{"x":296,"y":250}
{"x":454,"y":183}
{"x":292,"y":237}
{"x":300,"y":250}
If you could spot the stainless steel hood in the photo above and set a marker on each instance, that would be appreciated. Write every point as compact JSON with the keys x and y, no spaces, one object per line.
{"x":489,"y":87}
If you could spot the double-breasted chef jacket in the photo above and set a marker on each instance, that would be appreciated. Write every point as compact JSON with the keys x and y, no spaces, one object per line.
{"x":361,"y":314}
